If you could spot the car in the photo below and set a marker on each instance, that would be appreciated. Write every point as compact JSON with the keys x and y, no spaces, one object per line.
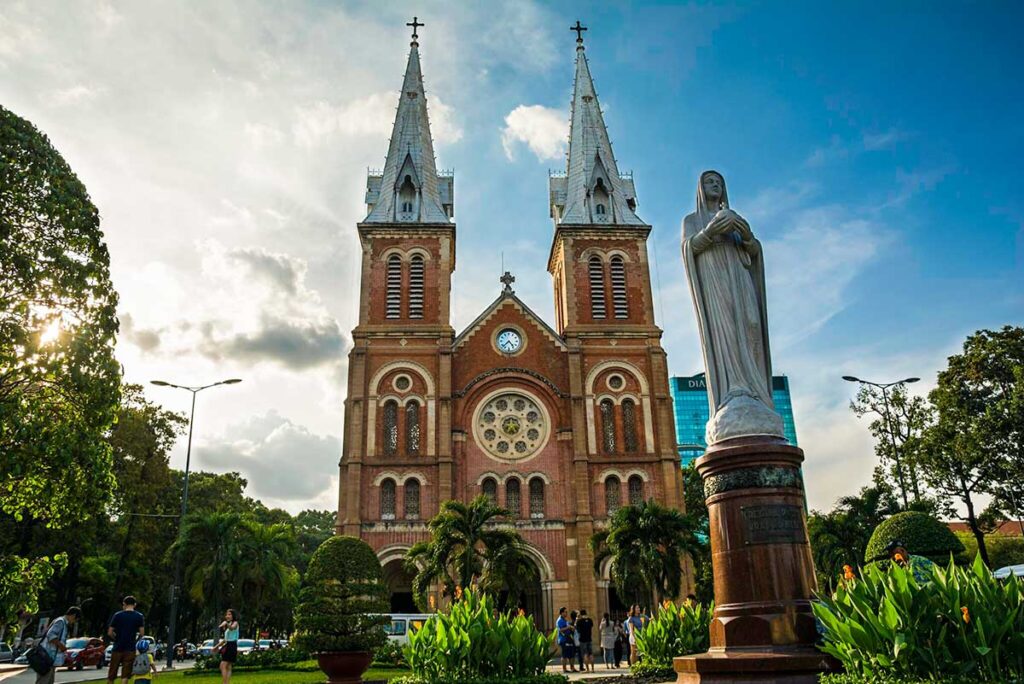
{"x":403,"y":624}
{"x":110,"y":648}
{"x":6,"y":653}
{"x":265,"y":644}
{"x":1003,"y":573}
{"x":206,"y":649}
{"x":246,"y":646}
{"x":84,"y":652}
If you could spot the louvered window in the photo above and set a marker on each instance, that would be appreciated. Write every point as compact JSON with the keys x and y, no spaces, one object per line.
{"x":412,"y":428}
{"x":387,"y":499}
{"x":597,"y":303}
{"x":619,"y":301}
{"x":629,"y":425}
{"x":536,"y":498}
{"x":390,"y":428}
{"x":512,"y":497}
{"x":612,"y":494}
{"x":412,"y":499}
{"x":416,"y":287}
{"x":490,"y":489}
{"x":636,"y":490}
{"x":394,"y":287}
{"x":608,"y":426}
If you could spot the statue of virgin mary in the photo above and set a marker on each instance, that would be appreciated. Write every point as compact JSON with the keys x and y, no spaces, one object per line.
{"x":725,"y":269}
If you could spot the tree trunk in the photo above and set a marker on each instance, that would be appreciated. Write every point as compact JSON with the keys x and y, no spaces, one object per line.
{"x":972,"y":521}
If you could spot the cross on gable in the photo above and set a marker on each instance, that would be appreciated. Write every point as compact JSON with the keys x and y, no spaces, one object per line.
{"x":579,"y":29}
{"x":507,"y":281}
{"x":415,"y":25}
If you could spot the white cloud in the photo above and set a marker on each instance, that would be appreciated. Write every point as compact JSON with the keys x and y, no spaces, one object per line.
{"x":543,"y":129}
{"x":75,"y":95}
{"x":882,"y":140}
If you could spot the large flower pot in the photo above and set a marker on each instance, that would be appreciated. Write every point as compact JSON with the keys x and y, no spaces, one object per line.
{"x":344,"y":667}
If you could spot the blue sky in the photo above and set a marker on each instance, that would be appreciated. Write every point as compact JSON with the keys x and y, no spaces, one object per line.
{"x":873,"y":149}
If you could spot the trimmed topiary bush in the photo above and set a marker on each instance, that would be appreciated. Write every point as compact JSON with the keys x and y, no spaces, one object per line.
{"x":343,"y":605}
{"x":921,"y":534}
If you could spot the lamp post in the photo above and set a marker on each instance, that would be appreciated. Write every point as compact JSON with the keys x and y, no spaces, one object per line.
{"x":176,"y":587}
{"x":884,"y":386}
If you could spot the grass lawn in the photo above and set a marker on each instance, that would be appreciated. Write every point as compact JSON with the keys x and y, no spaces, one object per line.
{"x":304,"y":673}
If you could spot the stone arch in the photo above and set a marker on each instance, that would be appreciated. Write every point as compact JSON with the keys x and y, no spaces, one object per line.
{"x":397,"y":577}
{"x":372,"y":402}
{"x":644,"y":402}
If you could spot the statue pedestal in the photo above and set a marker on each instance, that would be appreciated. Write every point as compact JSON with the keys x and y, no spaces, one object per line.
{"x":763,"y":629}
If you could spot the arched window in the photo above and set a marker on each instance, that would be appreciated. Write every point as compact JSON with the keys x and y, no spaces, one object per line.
{"x":412,"y":499}
{"x":416,"y":286}
{"x":536,"y":498}
{"x":636,"y":490}
{"x":387,"y":499}
{"x":612,"y":494}
{"x":629,"y":425}
{"x":600,"y":209}
{"x":620,"y":304}
{"x":597,"y":307}
{"x":601,"y":201}
{"x":512,"y":497}
{"x":412,"y":428}
{"x":390,"y":427}
{"x":407,"y":199}
{"x":490,"y":489}
{"x":608,"y":426}
{"x":394,"y":287}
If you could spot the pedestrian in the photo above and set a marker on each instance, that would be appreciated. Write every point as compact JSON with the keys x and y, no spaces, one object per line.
{"x":124,"y":629}
{"x":144,"y":666}
{"x":565,"y":639}
{"x":620,"y":644}
{"x":228,"y":646}
{"x":54,"y":642}
{"x":608,"y":636}
{"x":585,"y":632}
{"x":634,"y":625}
{"x":573,"y":615}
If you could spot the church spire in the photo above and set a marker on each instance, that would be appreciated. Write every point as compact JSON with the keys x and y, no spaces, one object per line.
{"x":410,"y":190}
{"x":592,"y":190}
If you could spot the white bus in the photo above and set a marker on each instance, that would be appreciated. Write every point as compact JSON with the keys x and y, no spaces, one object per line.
{"x":404,"y":624}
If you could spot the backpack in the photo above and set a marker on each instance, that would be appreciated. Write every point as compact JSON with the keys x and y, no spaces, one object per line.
{"x":140,"y":665}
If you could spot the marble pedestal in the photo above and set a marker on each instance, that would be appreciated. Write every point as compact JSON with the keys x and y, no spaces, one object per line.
{"x":763,"y":629}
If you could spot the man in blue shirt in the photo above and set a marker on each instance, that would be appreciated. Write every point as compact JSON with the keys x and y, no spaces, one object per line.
{"x":126,"y":627}
{"x":565,"y":640}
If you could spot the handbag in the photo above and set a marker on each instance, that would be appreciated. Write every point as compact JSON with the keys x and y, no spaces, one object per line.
{"x":39,"y":659}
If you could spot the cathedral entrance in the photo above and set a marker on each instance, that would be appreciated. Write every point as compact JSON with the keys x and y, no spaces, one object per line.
{"x":399,"y":583}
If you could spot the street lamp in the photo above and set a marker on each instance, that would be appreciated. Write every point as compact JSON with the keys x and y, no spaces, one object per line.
{"x":884,"y":386}
{"x":176,"y":588}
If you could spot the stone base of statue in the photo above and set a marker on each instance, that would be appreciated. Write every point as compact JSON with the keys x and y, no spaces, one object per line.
{"x":763,"y":629}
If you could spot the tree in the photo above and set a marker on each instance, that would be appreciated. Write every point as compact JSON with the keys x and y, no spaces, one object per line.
{"x":58,"y":376}
{"x":976,"y":445}
{"x":263,"y":554}
{"x":312,"y":528}
{"x":840,"y":536}
{"x":466,"y":544}
{"x":699,"y":523}
{"x":898,"y":423}
{"x":647,"y":544}
{"x":210,"y":546}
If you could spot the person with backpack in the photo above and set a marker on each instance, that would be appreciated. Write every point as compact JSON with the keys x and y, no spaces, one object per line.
{"x":46,"y":656}
{"x":127,"y":626}
{"x":143,"y":667}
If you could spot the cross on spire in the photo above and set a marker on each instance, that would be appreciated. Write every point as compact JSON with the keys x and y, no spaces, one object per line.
{"x":415,"y":25}
{"x":507,"y":281}
{"x":579,"y":29}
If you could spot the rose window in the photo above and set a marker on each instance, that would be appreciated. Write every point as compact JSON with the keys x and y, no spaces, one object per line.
{"x":511,"y":426}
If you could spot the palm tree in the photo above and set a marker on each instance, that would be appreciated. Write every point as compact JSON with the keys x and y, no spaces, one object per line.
{"x":466,"y":544}
{"x":209,"y":542}
{"x":264,"y":551}
{"x":647,"y":543}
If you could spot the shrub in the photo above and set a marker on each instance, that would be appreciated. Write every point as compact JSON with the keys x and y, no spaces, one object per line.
{"x":651,"y":672}
{"x":1002,"y":550}
{"x":389,"y":654}
{"x":531,"y":679}
{"x":922,"y":535}
{"x":256,"y":660}
{"x":676,"y":630}
{"x":961,"y":623}
{"x":475,"y":642}
{"x":342,"y":606}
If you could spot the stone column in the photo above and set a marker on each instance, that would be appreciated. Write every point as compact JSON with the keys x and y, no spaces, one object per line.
{"x":763,"y":629}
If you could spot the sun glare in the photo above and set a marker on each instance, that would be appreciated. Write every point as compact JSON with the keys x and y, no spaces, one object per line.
{"x":51,"y":332}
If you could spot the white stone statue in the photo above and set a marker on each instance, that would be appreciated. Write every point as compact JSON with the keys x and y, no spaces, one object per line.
{"x":725,"y":269}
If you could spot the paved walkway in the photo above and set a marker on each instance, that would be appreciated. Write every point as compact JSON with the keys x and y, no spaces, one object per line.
{"x":598,"y":673}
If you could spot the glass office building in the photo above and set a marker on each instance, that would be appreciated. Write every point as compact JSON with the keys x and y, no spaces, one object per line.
{"x":690,"y":399}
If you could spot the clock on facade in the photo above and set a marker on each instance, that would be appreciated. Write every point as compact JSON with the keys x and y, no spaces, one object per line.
{"x":509,"y":341}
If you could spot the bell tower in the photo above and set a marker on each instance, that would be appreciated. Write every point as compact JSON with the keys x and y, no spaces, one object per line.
{"x":400,"y":363}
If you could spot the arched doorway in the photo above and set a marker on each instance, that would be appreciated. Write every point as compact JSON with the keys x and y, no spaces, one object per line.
{"x":398,"y":580}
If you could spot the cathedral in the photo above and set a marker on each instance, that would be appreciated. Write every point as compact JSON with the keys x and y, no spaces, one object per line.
{"x":560,"y":423}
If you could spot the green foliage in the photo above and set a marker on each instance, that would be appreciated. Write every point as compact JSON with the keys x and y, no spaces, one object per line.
{"x":59,"y":379}
{"x":921,"y":534}
{"x":267,"y":659}
{"x":465,"y":545}
{"x":840,"y":536}
{"x":961,"y":623}
{"x":935,"y":679}
{"x":475,"y":641}
{"x":652,"y":672}
{"x":1002,"y":550}
{"x":341,"y":607}
{"x":544,"y":678}
{"x":646,"y":543}
{"x":697,"y":516}
{"x":20,"y":579}
{"x":675,"y":630}
{"x":390,"y":654}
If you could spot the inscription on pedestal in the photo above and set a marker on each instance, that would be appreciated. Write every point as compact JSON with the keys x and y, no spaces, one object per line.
{"x":774,"y":524}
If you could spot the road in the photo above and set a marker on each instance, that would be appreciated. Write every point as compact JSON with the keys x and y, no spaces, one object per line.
{"x":89,"y":674}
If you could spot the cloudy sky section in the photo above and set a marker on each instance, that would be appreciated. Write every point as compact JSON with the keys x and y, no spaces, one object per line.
{"x":226,"y":145}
